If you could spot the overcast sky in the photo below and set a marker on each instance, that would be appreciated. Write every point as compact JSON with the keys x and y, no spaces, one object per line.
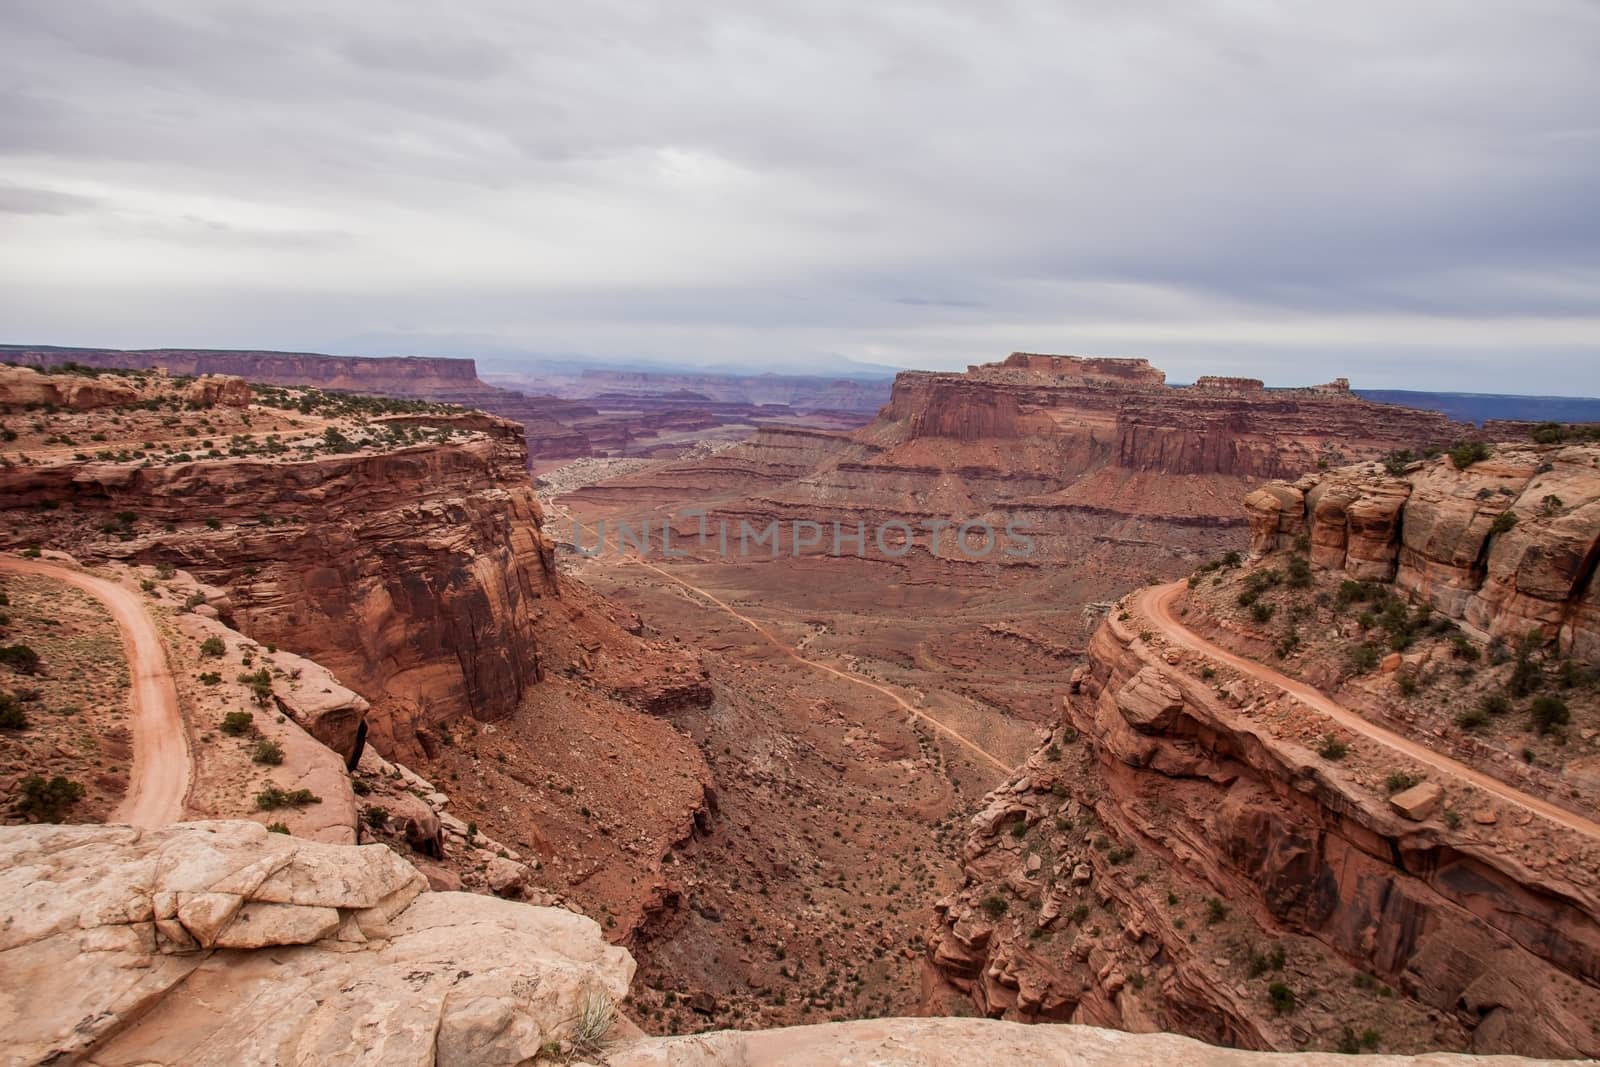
{"x":1404,"y":193}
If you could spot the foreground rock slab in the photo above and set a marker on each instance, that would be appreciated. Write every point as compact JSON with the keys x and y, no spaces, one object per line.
{"x":221,"y":943}
{"x":965,"y":1042}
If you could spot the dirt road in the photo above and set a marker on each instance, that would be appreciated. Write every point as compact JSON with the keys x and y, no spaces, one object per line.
{"x":855,"y":679}
{"x":1155,"y":604}
{"x":159,"y":780}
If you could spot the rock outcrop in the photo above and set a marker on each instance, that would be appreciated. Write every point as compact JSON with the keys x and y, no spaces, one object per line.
{"x":22,"y":387}
{"x":416,"y":575}
{"x":221,"y":943}
{"x":1183,"y":856}
{"x":1506,"y":545}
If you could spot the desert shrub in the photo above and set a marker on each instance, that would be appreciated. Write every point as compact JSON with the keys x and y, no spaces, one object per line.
{"x":1400,"y":781}
{"x":1409,"y":680}
{"x":1232,"y":559}
{"x":1363,"y":658}
{"x":1549,"y":433}
{"x":1471,"y":718}
{"x":1461,"y":647}
{"x":1216,"y":911}
{"x":1299,"y":572}
{"x":213,"y":524}
{"x":1248,"y":597}
{"x":260,"y":683}
{"x":376,"y":817}
{"x":1261,"y":611}
{"x":995,"y":906}
{"x":277,"y":828}
{"x":12,"y":717}
{"x":1281,"y":997}
{"x":210,"y":678}
{"x":1352,"y":592}
{"x":1464,"y":454}
{"x":20,"y":658}
{"x":1503,"y":522}
{"x":1527,"y":674}
{"x":1495,"y":704}
{"x":47,"y":801}
{"x":1208,"y":673}
{"x":1549,"y":712}
{"x":1333,"y":748}
{"x":1397,"y":462}
{"x":236,"y":723}
{"x":213,"y":646}
{"x":272,"y":797}
{"x":267,"y":752}
{"x":165,"y":571}
{"x":1118,"y":856}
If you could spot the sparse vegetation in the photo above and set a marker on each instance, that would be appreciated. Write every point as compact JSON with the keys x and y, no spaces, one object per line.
{"x":995,"y":906}
{"x":1400,"y":781}
{"x":237,"y":723}
{"x":213,"y":646}
{"x":1333,"y":748}
{"x":1548,"y":712}
{"x":46,"y":801}
{"x":272,"y":797}
{"x":1281,"y":997}
{"x":267,"y":752}
{"x":1464,"y":454}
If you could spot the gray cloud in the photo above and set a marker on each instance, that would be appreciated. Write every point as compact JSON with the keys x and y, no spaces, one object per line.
{"x":1405,"y":193}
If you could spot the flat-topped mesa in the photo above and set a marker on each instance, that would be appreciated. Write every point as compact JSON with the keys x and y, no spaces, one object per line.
{"x":419,"y":376}
{"x":1095,"y":410}
{"x":1089,"y":368}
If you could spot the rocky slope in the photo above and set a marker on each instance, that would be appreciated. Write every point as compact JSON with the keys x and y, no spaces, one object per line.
{"x":219,"y":943}
{"x":1199,"y":850}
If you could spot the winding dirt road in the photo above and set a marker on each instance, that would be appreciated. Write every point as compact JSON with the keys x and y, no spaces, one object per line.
{"x":1155,"y":604}
{"x":855,"y":679}
{"x":159,"y":780}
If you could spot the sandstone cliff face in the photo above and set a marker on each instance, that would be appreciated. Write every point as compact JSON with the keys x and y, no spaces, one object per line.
{"x":1181,"y":845}
{"x":1124,"y":409}
{"x":1507,"y":545}
{"x":417,"y":576}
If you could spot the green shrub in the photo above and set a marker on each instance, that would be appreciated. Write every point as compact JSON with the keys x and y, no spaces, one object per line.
{"x":1299,"y":572}
{"x":213,"y":646}
{"x":1363,"y":658}
{"x":1248,"y":597}
{"x":376,"y":817}
{"x":995,"y":906}
{"x":1503,"y":523}
{"x":1281,"y":997}
{"x":273,"y":797}
{"x":1461,"y":647}
{"x":1495,"y":704}
{"x":1400,"y":781}
{"x":236,"y":723}
{"x":1261,"y":611}
{"x":20,"y":658}
{"x":1397,"y":462}
{"x":1549,"y":712}
{"x":1472,"y":718}
{"x":1333,"y":748}
{"x":277,"y":828}
{"x":1232,"y":559}
{"x":1216,"y":911}
{"x":12,"y":717}
{"x":43,"y":801}
{"x":267,"y":752}
{"x":1464,"y":454}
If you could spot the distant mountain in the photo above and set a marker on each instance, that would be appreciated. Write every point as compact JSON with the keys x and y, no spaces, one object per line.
{"x":1478,"y":407}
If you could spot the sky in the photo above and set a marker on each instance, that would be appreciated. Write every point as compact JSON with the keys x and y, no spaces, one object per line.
{"x":1404,"y":194}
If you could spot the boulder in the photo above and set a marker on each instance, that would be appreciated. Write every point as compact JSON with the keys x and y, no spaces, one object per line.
{"x":1418,"y":802}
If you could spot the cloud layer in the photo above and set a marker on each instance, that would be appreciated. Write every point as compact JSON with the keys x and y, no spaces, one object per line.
{"x":1407,"y":194}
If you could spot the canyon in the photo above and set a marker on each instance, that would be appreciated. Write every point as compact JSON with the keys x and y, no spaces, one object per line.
{"x":803,"y":786}
{"x":595,"y":413}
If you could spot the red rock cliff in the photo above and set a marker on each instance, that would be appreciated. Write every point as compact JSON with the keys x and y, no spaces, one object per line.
{"x":414,"y":575}
{"x":1503,"y":546}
